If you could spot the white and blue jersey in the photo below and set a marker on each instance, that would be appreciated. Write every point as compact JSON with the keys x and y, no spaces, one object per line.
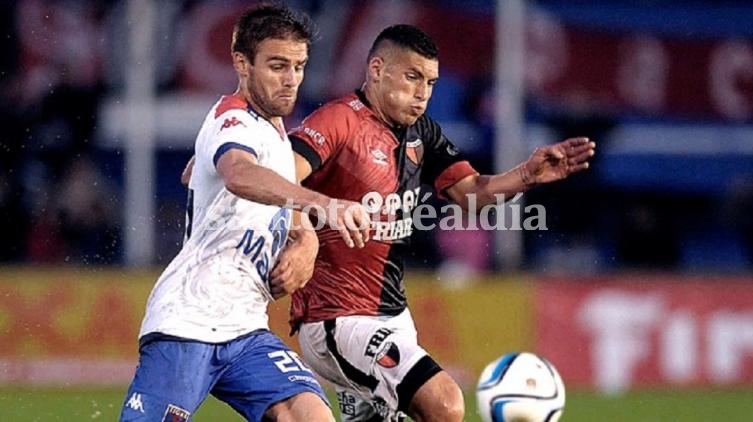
{"x":205,"y":329}
{"x":216,"y":288}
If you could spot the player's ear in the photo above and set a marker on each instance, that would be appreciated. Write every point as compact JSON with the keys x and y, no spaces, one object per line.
{"x":375,"y":67}
{"x":241,"y":63}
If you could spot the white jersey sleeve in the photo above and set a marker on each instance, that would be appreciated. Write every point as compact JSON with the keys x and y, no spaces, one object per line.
{"x":233,"y":129}
{"x":216,"y":288}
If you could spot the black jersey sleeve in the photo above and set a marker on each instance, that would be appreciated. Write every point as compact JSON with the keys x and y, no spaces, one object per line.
{"x":444,"y":164}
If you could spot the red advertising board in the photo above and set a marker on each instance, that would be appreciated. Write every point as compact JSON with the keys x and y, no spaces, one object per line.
{"x":614,"y":333}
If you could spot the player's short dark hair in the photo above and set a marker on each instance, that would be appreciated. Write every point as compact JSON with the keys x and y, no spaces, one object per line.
{"x":407,"y":36}
{"x":270,"y":20}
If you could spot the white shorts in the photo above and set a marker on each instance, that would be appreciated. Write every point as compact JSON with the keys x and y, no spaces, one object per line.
{"x":374,"y":362}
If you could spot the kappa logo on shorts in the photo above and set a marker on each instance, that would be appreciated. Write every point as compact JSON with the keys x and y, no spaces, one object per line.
{"x":135,"y":402}
{"x":389,"y":357}
{"x":175,"y":414}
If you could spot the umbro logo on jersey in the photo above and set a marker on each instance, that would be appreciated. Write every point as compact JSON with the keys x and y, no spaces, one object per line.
{"x":231,"y":122}
{"x":135,"y":402}
{"x":379,"y":157}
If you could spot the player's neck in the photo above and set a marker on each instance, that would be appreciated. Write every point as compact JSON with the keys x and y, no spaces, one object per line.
{"x":276,"y":121}
{"x":246,"y":95}
{"x":375,"y":106}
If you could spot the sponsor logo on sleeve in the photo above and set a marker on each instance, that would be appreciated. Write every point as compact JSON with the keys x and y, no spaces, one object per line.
{"x":356,"y":105}
{"x":316,"y":136}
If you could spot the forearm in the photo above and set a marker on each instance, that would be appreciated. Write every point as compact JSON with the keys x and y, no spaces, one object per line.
{"x":491,"y":189}
{"x":260,"y":184}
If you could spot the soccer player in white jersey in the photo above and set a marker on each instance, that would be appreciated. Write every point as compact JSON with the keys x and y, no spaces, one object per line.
{"x":205,"y":330}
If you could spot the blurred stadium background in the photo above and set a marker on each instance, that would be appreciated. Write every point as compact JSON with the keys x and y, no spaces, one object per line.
{"x":640,"y":291}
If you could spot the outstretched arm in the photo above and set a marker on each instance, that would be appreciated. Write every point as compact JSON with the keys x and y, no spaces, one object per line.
{"x":547,"y":164}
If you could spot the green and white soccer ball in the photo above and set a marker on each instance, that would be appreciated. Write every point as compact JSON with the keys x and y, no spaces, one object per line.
{"x":520,"y":387}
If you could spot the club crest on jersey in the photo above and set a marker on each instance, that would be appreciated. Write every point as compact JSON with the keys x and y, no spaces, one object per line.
{"x":175,"y":414}
{"x":379,"y":157}
{"x":389,"y":357}
{"x":233,"y":121}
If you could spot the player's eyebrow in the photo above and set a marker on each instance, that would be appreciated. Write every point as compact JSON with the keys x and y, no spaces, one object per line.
{"x":421,"y":74}
{"x":285,"y":60}
{"x":278,"y":58}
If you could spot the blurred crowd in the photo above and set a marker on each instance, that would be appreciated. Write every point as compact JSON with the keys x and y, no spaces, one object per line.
{"x":61,"y":182}
{"x":55,"y":204}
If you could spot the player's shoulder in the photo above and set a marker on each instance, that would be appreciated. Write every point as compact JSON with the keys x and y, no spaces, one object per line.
{"x":347,"y":107}
{"x":228,"y":103}
{"x":427,"y":128}
{"x":426,"y":122}
{"x":234,"y":110}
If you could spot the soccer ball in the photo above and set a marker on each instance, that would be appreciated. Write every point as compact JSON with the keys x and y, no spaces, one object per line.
{"x":520,"y":387}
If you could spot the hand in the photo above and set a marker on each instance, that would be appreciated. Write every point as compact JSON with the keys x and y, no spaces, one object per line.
{"x":556,"y":162}
{"x":351,"y":220}
{"x":295,"y":265}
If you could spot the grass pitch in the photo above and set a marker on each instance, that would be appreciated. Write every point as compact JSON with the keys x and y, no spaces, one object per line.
{"x":27,"y":405}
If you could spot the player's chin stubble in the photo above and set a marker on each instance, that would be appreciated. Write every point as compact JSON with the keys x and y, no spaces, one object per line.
{"x":278,"y":107}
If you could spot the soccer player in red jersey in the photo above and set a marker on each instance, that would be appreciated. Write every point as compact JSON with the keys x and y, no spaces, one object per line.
{"x":377,"y":146}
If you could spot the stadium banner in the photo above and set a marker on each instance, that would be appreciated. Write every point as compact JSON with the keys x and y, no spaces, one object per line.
{"x":641,"y":70}
{"x":638,"y":71}
{"x":70,"y":326}
{"x":79,"y":326}
{"x":614,"y":333}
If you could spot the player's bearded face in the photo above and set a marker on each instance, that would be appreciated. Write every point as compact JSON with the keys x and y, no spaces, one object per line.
{"x":275,"y":75}
{"x":406,"y":85}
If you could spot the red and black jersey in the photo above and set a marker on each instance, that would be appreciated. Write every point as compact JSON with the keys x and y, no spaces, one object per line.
{"x":355,"y":156}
